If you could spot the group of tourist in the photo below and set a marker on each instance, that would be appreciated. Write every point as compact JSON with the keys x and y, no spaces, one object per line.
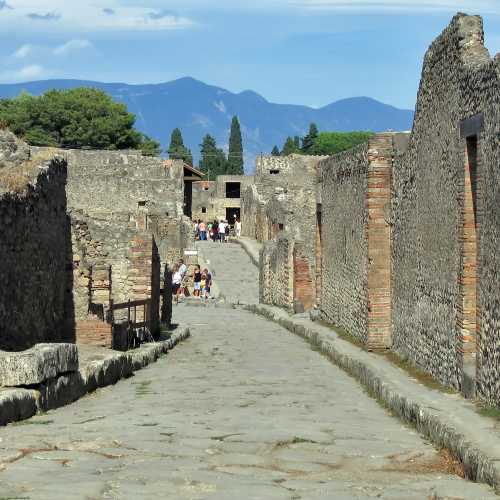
{"x":216,"y":231}
{"x":202,"y":281}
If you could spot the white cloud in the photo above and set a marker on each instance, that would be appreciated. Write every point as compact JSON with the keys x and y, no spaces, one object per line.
{"x":30,"y":72}
{"x":72,"y":46}
{"x":23,"y":51}
{"x":472,"y":6}
{"x":88,"y":16}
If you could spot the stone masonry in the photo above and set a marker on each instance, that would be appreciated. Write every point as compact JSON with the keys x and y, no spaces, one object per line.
{"x":281,"y":209}
{"x":446,"y":220}
{"x":215,"y":200}
{"x":356,"y":239}
{"x":35,"y":256}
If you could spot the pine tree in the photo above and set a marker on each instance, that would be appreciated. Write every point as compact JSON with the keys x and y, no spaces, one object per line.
{"x":289,"y":147}
{"x":177,"y":150}
{"x":213,"y":160}
{"x":296,"y":141}
{"x":235,"y":157}
{"x":275,"y":151}
{"x":308,"y":141}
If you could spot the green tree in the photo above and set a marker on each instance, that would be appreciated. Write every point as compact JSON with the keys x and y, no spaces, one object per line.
{"x":81,"y":117}
{"x":330,"y":143}
{"x":296,"y":141}
{"x":177,"y":150}
{"x":289,"y":147}
{"x":275,"y":151}
{"x":213,"y":160}
{"x":308,"y":141}
{"x":235,"y":164}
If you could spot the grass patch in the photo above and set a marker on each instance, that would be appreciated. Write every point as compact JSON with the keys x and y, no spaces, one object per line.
{"x":406,"y":365}
{"x":343,"y":334}
{"x":16,"y":179}
{"x":489,"y":411}
{"x":32,"y":422}
{"x":416,"y":373}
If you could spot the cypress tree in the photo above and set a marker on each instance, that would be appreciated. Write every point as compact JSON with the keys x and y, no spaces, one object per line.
{"x":288,"y":147}
{"x":235,"y":157}
{"x":177,"y":150}
{"x":275,"y":151}
{"x":310,"y":138}
{"x":296,"y":141}
{"x":213,"y":160}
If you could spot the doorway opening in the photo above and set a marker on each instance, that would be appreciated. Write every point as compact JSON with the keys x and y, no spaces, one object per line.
{"x":469,"y":282}
{"x":232,"y":213}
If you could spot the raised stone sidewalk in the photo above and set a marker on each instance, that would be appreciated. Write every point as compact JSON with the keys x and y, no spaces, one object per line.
{"x":251,"y":247}
{"x":446,"y":419}
{"x":98,"y":367}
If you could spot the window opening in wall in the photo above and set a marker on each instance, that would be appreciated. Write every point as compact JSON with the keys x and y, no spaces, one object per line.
{"x":233,"y":190}
{"x":203,"y":210}
{"x":281,"y":227}
{"x":141,"y":203}
{"x":274,"y":171}
{"x":470,"y":250}
{"x":205,"y":188}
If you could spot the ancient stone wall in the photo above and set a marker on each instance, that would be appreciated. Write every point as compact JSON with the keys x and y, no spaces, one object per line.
{"x":282,"y":203}
{"x":445,"y":213}
{"x":356,"y":240}
{"x":35,"y":262}
{"x":276,"y":273}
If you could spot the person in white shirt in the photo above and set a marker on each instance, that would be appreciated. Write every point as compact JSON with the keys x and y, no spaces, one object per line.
{"x":238,"y":228}
{"x":222,"y":231}
{"x":182,"y":268}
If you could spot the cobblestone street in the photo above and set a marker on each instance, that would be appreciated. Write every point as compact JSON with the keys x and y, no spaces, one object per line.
{"x":241,"y":410}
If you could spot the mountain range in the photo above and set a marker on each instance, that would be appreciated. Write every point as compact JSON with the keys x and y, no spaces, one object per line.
{"x":197,"y":109}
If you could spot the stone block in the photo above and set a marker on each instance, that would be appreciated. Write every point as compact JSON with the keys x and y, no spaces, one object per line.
{"x":38,"y":364}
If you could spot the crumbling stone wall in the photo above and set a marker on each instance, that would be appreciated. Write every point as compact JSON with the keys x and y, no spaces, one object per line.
{"x":356,"y":240}
{"x":276,"y":273}
{"x":282,"y":203}
{"x":35,"y":251}
{"x":458,"y":100}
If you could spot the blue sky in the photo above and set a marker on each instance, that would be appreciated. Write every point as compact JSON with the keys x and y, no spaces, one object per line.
{"x":291,"y":51}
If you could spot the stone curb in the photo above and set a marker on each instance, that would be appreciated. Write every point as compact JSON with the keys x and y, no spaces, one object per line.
{"x":254,"y":256}
{"x":19,"y":403}
{"x":478,"y":451}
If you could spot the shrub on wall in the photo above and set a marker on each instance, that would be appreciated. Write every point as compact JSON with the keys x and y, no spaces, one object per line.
{"x":76,"y":118}
{"x":330,"y":143}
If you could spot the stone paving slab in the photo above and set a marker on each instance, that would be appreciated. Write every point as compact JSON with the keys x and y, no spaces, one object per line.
{"x":241,"y":411}
{"x":447,"y":419}
{"x":99,"y":367}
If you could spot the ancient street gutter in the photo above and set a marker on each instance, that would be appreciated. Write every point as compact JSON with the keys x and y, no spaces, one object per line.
{"x":22,"y":403}
{"x":447,"y":420}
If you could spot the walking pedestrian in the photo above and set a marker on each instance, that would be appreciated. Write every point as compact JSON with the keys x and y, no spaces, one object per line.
{"x":176,"y":283}
{"x":238,"y":228}
{"x":206,"y":279}
{"x":215,"y":231}
{"x":197,"y":281}
{"x":222,"y":231}
{"x":196,"y":229}
{"x":203,"y":230}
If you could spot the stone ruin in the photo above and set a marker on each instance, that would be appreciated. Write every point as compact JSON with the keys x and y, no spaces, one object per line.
{"x":220,"y":199}
{"x":82,"y":232}
{"x":405,"y":229}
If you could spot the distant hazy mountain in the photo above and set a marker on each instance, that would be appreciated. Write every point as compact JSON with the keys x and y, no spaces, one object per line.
{"x":198,"y":109}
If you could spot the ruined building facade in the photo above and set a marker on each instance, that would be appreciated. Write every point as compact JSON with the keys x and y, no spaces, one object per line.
{"x":281,"y":210}
{"x":219,"y":199}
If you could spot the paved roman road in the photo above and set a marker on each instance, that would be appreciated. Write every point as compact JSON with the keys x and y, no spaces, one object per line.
{"x":242,"y":410}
